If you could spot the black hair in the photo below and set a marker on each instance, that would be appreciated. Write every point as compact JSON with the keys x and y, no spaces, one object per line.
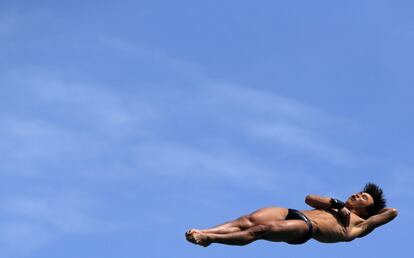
{"x":377,"y":194}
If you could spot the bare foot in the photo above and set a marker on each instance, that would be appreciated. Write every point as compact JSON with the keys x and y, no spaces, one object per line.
{"x":189,"y":231}
{"x":197,"y":237}
{"x":189,"y":235}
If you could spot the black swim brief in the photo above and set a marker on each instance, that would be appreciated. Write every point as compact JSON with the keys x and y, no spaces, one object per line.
{"x":295,"y":214}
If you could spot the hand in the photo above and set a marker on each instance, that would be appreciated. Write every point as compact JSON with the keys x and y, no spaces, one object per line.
{"x":345,"y":215}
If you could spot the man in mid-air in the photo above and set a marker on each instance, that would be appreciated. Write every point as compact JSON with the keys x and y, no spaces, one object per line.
{"x":331,"y":221}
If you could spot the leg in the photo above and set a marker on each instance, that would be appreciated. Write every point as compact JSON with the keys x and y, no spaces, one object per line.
{"x":194,"y":236}
{"x":236,"y":238}
{"x":261,"y":216}
{"x":287,"y":231}
{"x":279,"y":231}
{"x":236,"y":225}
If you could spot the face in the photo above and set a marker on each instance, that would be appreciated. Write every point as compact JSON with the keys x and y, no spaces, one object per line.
{"x":360,"y":200}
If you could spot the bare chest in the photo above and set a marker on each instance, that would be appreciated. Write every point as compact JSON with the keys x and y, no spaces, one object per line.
{"x":328,"y":226}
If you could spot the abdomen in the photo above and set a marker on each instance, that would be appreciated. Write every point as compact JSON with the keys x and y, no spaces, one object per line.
{"x":328,"y":228}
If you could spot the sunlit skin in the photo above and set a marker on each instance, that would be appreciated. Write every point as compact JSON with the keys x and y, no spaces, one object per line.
{"x":329,"y":225}
{"x":358,"y":202}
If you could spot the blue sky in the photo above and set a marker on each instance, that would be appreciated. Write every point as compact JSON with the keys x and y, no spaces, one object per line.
{"x":126,"y":123}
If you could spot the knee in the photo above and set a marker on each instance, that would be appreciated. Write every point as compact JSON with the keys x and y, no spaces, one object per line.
{"x":246,"y":222}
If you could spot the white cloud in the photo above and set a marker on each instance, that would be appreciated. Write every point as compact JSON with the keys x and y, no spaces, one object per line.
{"x":280,"y":120}
{"x":70,"y":121}
{"x":31,"y":222}
{"x":185,"y":161}
{"x":22,"y":237}
{"x":61,"y":213}
{"x":301,"y":140}
{"x":197,"y":129}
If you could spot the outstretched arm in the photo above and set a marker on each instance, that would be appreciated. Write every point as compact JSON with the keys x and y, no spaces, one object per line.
{"x":384,"y":216}
{"x":318,"y":202}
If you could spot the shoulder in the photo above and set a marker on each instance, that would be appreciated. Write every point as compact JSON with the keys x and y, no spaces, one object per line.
{"x":364,"y":227}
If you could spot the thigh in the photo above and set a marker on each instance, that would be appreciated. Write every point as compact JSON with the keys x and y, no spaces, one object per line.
{"x":286,"y":230}
{"x":269,"y":215}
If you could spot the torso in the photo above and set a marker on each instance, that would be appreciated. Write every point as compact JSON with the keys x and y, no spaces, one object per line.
{"x":328,"y":227}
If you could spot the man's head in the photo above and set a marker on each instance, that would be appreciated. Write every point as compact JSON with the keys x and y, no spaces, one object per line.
{"x":368,"y":202}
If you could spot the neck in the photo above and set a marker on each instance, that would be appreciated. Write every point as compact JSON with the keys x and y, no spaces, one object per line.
{"x":357,"y":211}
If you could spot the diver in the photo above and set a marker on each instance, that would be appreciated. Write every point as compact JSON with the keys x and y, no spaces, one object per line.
{"x":331,"y":221}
